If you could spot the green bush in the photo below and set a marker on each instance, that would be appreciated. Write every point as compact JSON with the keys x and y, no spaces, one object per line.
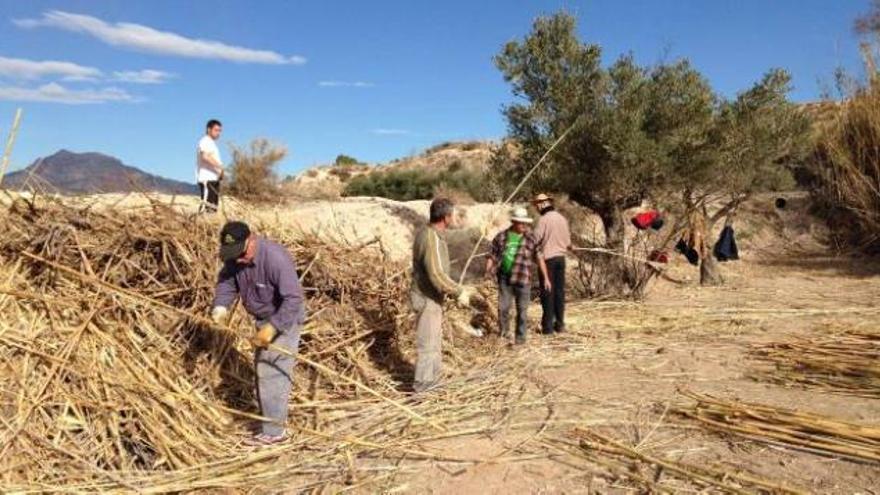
{"x":408,"y":185}
{"x":343,"y":160}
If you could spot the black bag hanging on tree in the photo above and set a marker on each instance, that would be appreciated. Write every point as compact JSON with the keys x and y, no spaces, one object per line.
{"x":690,"y":253}
{"x":725,"y":249}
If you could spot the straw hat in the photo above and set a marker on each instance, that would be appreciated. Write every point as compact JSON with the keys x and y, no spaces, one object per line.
{"x":520,"y":215}
{"x":541,"y":198}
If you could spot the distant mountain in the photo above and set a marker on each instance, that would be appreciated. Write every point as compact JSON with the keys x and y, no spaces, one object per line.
{"x":89,"y":173}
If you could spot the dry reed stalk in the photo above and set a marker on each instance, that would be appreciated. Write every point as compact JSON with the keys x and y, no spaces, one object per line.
{"x":111,"y":380}
{"x":847,"y":171}
{"x":513,"y":194}
{"x":836,"y":361}
{"x":722,"y":480}
{"x":808,"y":432}
{"x":10,"y":142}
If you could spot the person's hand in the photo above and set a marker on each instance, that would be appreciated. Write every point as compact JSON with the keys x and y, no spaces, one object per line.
{"x":547,"y":285}
{"x":464,"y":298}
{"x":219,"y":315}
{"x":264,"y":335}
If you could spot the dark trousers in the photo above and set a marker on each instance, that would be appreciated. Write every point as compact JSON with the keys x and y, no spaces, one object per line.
{"x":210,"y":194}
{"x":553,"y":301}
{"x":508,"y":294}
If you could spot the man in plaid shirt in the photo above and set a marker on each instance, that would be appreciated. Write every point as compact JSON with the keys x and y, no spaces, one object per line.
{"x":510,"y":257}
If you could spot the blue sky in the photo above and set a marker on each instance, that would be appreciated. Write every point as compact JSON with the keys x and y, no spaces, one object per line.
{"x":376,"y":80}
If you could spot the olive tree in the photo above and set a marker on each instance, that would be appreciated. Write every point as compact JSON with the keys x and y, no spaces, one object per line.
{"x":637,"y":132}
{"x":756,"y":139}
{"x":629,"y":125}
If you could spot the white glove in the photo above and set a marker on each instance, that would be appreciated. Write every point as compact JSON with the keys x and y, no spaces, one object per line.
{"x":464,"y":299}
{"x":219,"y":314}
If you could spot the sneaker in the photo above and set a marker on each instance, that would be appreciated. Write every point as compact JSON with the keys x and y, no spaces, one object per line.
{"x":265,"y":440}
{"x":421,"y":388}
{"x":560,"y":329}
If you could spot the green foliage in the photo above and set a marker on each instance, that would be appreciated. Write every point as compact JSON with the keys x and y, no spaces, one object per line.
{"x":408,"y":185}
{"x":637,"y":132}
{"x":253,"y":170}
{"x":756,"y":137}
{"x":343,"y":160}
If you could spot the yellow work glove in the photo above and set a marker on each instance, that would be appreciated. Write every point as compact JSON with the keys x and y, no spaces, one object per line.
{"x":464,"y":298}
{"x":264,"y":335}
{"x":219,"y":315}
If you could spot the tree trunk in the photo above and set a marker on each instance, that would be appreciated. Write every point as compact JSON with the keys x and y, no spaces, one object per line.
{"x":710,"y":273}
{"x":607,"y":276}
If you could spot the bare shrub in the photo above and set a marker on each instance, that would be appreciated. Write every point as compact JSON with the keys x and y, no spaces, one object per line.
{"x":253,"y":170}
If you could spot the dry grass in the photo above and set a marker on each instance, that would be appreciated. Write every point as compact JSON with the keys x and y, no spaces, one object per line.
{"x":847,"y":168}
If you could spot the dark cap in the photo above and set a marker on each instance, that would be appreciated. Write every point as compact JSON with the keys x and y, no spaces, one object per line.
{"x":233,"y":240}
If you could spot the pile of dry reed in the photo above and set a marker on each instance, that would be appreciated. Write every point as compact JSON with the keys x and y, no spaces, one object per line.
{"x":660,"y":474}
{"x":846,"y":361}
{"x":111,"y":377}
{"x":782,"y":427}
{"x":847,"y":170}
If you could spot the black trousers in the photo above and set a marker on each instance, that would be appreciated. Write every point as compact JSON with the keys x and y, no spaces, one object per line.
{"x":553,"y":301}
{"x":210,"y":194}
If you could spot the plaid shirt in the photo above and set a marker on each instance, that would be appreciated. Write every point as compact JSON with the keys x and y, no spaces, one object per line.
{"x":528,"y":251}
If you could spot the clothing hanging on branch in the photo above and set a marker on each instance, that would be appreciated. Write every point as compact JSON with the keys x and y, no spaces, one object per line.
{"x":725,"y":248}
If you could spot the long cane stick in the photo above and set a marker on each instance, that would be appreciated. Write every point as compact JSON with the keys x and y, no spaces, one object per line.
{"x":513,"y":195}
{"x":10,"y":142}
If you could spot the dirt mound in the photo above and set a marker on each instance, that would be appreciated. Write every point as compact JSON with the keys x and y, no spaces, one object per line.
{"x":329,"y":181}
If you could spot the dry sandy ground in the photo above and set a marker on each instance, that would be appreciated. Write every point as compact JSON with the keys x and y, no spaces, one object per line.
{"x":623,"y":364}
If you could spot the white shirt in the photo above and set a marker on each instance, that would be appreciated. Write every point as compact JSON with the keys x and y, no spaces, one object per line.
{"x":205,"y":171}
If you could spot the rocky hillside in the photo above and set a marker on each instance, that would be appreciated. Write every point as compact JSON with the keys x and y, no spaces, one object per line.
{"x":328,"y":182}
{"x":89,"y":173}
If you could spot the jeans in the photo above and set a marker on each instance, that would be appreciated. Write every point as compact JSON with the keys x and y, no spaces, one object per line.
{"x":275,"y":379}
{"x":508,"y":294}
{"x":553,"y":301}
{"x":429,"y":337}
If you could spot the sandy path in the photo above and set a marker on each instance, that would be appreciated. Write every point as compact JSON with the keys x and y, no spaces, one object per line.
{"x":627,"y":362}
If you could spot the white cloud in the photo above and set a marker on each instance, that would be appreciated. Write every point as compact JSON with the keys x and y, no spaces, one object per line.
{"x":345,"y":84}
{"x":147,"y":76}
{"x":56,"y":93}
{"x":29,"y":70}
{"x":390,"y":132}
{"x":147,"y":39}
{"x":19,"y":68}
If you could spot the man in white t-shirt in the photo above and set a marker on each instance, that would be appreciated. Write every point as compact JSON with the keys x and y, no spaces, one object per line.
{"x":209,"y":168}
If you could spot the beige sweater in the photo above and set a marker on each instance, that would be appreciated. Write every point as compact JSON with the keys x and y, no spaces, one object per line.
{"x":431,"y":265}
{"x":553,"y":234}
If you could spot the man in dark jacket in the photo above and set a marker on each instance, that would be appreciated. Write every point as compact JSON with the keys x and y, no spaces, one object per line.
{"x":263,"y":274}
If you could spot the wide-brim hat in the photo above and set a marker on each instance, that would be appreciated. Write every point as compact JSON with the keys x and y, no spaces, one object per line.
{"x":520,"y":215}
{"x":541,"y":198}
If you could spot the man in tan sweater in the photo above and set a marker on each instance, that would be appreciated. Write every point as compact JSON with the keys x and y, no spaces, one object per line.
{"x":554,"y":240}
{"x":431,"y":283}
